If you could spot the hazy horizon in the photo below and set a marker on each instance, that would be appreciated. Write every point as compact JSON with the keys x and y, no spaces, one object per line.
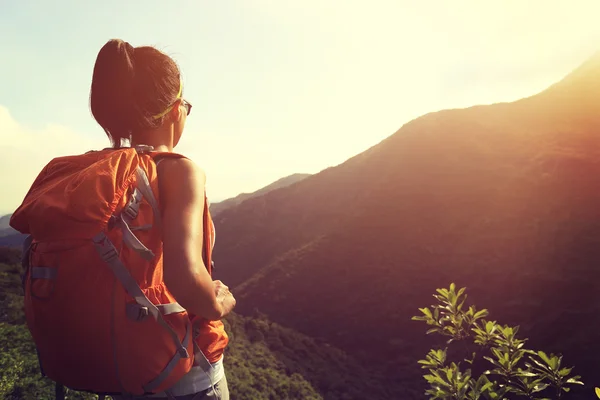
{"x":278,"y":89}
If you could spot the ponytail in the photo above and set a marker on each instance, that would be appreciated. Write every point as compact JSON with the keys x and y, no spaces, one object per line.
{"x":129,"y":85}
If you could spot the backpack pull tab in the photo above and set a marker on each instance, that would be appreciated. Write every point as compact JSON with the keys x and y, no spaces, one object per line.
{"x":136,"y":312}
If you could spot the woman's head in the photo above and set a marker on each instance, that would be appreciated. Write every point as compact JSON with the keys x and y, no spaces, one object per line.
{"x":136,"y":90}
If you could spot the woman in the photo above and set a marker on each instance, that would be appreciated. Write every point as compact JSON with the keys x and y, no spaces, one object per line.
{"x":136,"y":96}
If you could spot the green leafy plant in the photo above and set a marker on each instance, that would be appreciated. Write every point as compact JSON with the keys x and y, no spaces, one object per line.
{"x":513,"y":370}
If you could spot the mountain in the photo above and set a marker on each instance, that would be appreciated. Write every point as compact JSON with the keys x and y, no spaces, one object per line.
{"x":5,"y":221}
{"x":5,"y":228}
{"x":9,"y":236}
{"x":12,"y":240}
{"x":503,"y":199}
{"x":216,"y":208}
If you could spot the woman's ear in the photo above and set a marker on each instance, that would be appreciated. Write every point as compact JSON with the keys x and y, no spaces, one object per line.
{"x":176,"y":113}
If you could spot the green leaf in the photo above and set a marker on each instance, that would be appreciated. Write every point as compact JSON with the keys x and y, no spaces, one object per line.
{"x":575,"y":381}
{"x":449,"y":374}
{"x":435,"y":379}
{"x":440,"y":354}
{"x":539,"y":387}
{"x":526,"y":374}
{"x":564,"y":372}
{"x":542,"y":367}
{"x":460,"y":305}
{"x":555,"y":362}
{"x":544,"y":357}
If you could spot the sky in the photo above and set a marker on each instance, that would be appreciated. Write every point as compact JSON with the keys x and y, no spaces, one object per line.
{"x":277,"y":86}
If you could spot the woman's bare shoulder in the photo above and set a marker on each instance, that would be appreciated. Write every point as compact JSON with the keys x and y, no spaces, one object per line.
{"x":181,"y":180}
{"x":174,"y":170}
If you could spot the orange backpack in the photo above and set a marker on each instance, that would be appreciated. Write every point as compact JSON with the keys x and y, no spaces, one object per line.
{"x":97,"y":307}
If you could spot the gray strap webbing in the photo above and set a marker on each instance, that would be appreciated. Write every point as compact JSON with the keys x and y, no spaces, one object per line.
{"x":43,"y":273}
{"x":25,"y":258}
{"x":59,"y":391}
{"x":133,"y":242}
{"x":144,"y":187}
{"x":170,"y":308}
{"x":141,"y":227}
{"x":26,"y":250}
{"x":153,"y":384}
{"x":141,"y":148}
{"x":170,"y":395}
{"x":200,"y":359}
{"x":108,"y":253}
{"x":136,"y":312}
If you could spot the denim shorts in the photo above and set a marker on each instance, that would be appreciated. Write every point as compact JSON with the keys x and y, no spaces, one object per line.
{"x":220,"y":392}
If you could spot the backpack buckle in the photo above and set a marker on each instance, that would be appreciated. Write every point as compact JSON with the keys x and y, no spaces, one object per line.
{"x":132,"y":208}
{"x":130,"y":211}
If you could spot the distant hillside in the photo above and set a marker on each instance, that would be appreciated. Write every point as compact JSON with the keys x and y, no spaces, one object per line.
{"x":217,"y":208}
{"x":4,"y":221}
{"x":5,"y":229}
{"x":12,"y":240}
{"x":503,"y":199}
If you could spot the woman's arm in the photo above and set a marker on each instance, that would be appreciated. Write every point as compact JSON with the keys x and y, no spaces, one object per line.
{"x":182,"y":199}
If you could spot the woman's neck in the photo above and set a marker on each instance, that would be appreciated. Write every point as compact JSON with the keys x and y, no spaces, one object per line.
{"x":160,"y":141}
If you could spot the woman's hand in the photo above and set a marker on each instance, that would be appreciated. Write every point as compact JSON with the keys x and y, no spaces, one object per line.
{"x":224,"y":297}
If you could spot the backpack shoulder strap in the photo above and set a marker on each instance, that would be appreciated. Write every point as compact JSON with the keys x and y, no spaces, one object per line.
{"x":159,"y":156}
{"x":25,"y":255}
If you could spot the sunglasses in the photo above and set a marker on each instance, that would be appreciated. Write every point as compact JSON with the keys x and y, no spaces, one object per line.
{"x":187,"y":105}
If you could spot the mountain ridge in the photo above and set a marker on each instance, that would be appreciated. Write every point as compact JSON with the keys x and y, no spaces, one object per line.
{"x":500,"y":198}
{"x":216,"y":208}
{"x":7,"y":233}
